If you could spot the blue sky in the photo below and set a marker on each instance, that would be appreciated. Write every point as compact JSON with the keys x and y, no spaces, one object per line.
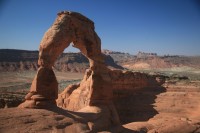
{"x":161,"y":26}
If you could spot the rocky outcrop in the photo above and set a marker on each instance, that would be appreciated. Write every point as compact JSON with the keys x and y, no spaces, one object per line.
{"x":43,"y":91}
{"x":75,"y":97}
{"x":66,"y":29}
{"x":95,"y":92}
{"x":126,"y":88}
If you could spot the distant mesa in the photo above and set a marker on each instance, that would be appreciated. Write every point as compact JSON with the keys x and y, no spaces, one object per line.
{"x":145,"y":55}
{"x":108,"y":52}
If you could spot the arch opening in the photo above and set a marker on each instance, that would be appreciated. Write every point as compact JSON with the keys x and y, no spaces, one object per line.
{"x":71,"y":60}
{"x":69,"y":68}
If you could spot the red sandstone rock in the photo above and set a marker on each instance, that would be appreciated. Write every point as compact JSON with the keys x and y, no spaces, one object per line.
{"x":44,"y":88}
{"x":95,"y":92}
{"x":96,"y":87}
{"x":67,"y":28}
{"x":118,"y":81}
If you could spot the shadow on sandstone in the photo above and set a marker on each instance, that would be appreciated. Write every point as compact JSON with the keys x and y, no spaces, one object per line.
{"x":98,"y":121}
{"x":76,"y":116}
{"x":136,"y":105}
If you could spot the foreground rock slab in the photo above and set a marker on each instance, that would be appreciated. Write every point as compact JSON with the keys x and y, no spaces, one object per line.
{"x":177,"y":108}
{"x":94,"y":119}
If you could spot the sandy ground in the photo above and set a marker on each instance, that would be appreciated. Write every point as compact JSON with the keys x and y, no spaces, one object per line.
{"x":15,"y":85}
{"x":17,"y":78}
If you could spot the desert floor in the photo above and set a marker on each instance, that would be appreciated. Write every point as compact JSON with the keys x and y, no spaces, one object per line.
{"x":173,"y":109}
{"x":15,"y":85}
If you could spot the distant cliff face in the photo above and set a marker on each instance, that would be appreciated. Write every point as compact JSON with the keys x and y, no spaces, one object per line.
{"x":145,"y":55}
{"x":159,"y":62}
{"x":22,"y":60}
{"x":152,"y":61}
{"x":14,"y":60}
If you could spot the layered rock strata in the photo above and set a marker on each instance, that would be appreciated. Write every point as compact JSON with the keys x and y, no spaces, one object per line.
{"x":75,"y":97}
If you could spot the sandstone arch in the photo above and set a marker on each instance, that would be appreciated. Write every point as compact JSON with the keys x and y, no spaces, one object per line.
{"x":95,"y":92}
{"x":70,"y":27}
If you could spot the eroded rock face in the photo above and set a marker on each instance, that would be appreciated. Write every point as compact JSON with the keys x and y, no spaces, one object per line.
{"x":69,"y":27}
{"x":94,"y":89}
{"x":95,"y":92}
{"x":118,"y":83}
{"x":43,"y":91}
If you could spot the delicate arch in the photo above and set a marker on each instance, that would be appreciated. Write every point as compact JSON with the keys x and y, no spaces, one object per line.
{"x":70,"y":27}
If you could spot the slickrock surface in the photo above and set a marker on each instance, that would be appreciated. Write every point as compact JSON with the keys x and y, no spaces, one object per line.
{"x":56,"y":120}
{"x":176,"y":110}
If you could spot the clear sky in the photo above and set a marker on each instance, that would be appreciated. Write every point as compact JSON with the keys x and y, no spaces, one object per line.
{"x":161,"y":26}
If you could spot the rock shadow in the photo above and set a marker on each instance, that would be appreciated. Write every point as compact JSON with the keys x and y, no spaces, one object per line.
{"x":76,"y":116}
{"x":82,"y":118}
{"x":136,"y":105}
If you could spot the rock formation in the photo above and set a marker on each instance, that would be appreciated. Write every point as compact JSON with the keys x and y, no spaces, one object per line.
{"x":95,"y":92}
{"x":75,"y":97}
{"x":68,"y":27}
{"x":95,"y":89}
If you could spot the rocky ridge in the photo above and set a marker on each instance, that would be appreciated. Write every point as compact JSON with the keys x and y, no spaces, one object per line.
{"x":24,"y":60}
{"x":153,"y":61}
